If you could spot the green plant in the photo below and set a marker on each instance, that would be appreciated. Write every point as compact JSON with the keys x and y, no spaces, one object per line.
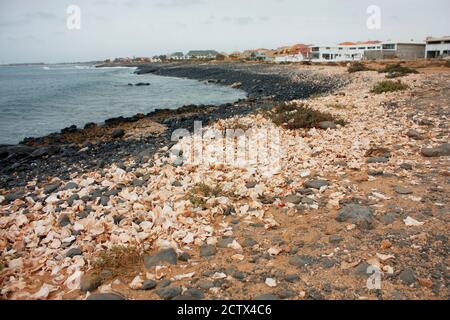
{"x":119,"y":260}
{"x":397,"y":69}
{"x":294,"y":117}
{"x":201,"y":192}
{"x":388,"y":86}
{"x":358,"y":67}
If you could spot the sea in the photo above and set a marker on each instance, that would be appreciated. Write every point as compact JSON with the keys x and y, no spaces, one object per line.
{"x":39,"y":100}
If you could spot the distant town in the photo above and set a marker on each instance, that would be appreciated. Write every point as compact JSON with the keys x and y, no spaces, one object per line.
{"x":431,"y":48}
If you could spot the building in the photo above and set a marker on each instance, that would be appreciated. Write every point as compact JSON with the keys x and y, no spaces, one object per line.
{"x":202,"y":54}
{"x":346,"y":51}
{"x":370,"y":50}
{"x":177,"y":56}
{"x":437,"y":47}
{"x":398,"y":50}
{"x":296,"y":53}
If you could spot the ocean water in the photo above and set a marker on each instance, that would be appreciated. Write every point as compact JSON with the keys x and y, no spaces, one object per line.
{"x":38,"y":100}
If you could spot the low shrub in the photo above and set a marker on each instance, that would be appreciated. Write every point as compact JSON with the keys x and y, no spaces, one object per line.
{"x":201,"y":192}
{"x":358,"y":67}
{"x":389,"y":86}
{"x":294,"y":117}
{"x":398,"y":70}
{"x":119,"y":260}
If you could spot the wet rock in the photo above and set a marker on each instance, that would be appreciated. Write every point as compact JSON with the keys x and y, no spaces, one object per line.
{"x":142,"y":84}
{"x":45,"y":151}
{"x":267,"y":297}
{"x":207,"y":251}
{"x":10,"y":197}
{"x":401,"y":190}
{"x":117,"y":133}
{"x":327,"y":125}
{"x":408,"y":276}
{"x":164,"y":283}
{"x":74,"y":252}
{"x":149,"y":285}
{"x":168,"y":256}
{"x":316,"y":184}
{"x":70,"y":186}
{"x":441,"y":151}
{"x":295,"y":199}
{"x":90,"y":283}
{"x":358,"y":215}
{"x":169,"y":293}
{"x":105,"y":297}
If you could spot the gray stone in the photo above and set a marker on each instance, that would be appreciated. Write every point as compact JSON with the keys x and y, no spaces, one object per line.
{"x":361,"y":270}
{"x":169,"y":293}
{"x":402,"y":190}
{"x":286,"y":294}
{"x":249,"y":242}
{"x":90,"y":283}
{"x":239,"y":275}
{"x":205,"y":284}
{"x":292,"y":278}
{"x":302,"y":261}
{"x":149,"y":285}
{"x":406,"y":166}
{"x":358,"y":215}
{"x":70,"y":186}
{"x":207,"y":251}
{"x":48,"y":189}
{"x":441,"y":151}
{"x":10,"y":197}
{"x":327,"y":125}
{"x":74,"y":252}
{"x":117,"y":133}
{"x":64,"y":220}
{"x":104,"y":200}
{"x":378,"y":160}
{"x":413,"y":134}
{"x":267,"y":297}
{"x":335,"y":239}
{"x":72,"y":199}
{"x":293,"y":198}
{"x":138,"y":183}
{"x":328,"y":263}
{"x":105,"y":297}
{"x":316,"y":184}
{"x":195,"y":293}
{"x":224,"y":242}
{"x":164,"y":283}
{"x":184,"y":257}
{"x":388,"y":218}
{"x":308,"y":201}
{"x":408,"y":276}
{"x":251,"y":184}
{"x":168,"y":256}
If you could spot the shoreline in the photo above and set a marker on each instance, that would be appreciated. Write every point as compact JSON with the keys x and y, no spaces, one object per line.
{"x":29,"y":159}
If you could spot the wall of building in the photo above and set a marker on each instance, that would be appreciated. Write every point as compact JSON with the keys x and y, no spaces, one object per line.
{"x":379,"y":55}
{"x":410,"y":51}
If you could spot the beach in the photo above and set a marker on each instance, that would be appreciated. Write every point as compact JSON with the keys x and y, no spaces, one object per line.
{"x":108,"y":210}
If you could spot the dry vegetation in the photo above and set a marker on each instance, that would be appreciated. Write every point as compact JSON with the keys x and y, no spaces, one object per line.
{"x":201,"y":193}
{"x":358,"y":67}
{"x":292,"y":116}
{"x":389,"y":86}
{"x":119,"y":260}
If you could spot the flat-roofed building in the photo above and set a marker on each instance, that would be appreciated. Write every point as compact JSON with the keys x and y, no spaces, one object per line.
{"x":438,"y":47}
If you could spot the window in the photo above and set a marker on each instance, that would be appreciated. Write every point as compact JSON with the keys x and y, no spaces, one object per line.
{"x":362,"y":48}
{"x":352,"y":48}
{"x":434,"y":42}
{"x":390,"y":46}
{"x":447,"y":41}
{"x":315,"y":49}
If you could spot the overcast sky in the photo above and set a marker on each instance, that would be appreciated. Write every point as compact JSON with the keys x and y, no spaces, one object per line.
{"x":36,"y":30}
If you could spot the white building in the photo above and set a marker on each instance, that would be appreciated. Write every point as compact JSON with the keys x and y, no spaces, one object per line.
{"x":177,"y":56}
{"x":343,"y":52}
{"x":438,"y":47}
{"x":290,"y":58}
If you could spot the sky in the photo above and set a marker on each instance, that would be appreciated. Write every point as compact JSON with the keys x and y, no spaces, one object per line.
{"x":36,"y":30}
